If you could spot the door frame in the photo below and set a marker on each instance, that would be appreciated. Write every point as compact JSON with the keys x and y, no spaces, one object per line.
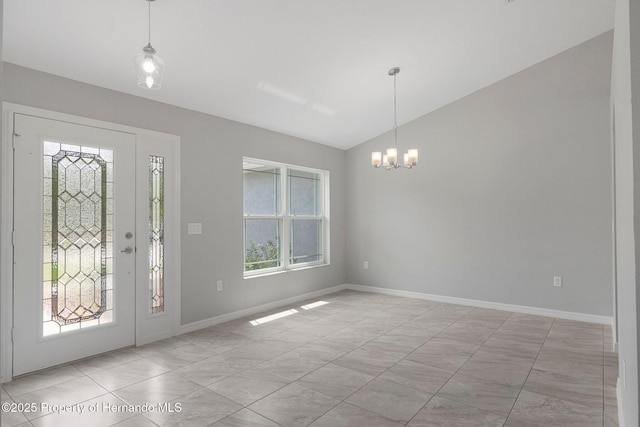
{"x":145,"y":331}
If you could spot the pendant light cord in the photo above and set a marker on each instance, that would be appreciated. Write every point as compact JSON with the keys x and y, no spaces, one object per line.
{"x":395,"y":113}
{"x":149,"y":1}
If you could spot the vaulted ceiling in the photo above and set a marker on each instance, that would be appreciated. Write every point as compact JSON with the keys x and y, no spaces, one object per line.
{"x":315,"y":69}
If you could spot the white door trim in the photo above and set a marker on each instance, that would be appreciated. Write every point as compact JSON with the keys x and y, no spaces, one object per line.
{"x":6,"y":225}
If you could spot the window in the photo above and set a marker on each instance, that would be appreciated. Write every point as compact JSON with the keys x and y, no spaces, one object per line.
{"x":285,"y":217}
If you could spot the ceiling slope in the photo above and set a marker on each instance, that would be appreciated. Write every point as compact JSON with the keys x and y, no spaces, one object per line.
{"x":312,"y":69}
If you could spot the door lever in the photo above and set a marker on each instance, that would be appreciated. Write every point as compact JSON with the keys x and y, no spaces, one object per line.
{"x":127,"y":250}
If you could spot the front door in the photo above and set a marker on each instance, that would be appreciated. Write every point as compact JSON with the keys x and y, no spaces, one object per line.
{"x":74,"y":242}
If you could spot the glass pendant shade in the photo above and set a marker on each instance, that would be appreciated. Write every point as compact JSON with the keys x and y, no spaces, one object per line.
{"x":149,"y":68}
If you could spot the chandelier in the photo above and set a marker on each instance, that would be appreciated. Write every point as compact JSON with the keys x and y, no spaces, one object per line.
{"x":390,"y":159}
{"x":149,"y":65}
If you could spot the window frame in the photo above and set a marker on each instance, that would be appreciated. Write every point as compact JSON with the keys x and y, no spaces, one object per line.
{"x":285,"y":220}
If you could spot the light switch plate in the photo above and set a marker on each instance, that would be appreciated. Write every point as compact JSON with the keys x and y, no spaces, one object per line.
{"x":194,"y":228}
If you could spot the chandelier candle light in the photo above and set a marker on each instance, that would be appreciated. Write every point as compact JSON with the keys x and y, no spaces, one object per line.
{"x":390,"y":160}
{"x":149,"y":66}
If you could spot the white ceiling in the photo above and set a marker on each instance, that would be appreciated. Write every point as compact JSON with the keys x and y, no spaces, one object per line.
{"x":329,"y":58}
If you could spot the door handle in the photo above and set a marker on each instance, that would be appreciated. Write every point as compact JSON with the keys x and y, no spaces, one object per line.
{"x":127,"y":250}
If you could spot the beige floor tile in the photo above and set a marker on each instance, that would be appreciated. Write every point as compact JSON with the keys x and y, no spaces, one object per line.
{"x":162,"y":388}
{"x":476,"y":335}
{"x":103,"y":411}
{"x":13,"y":417}
{"x":245,"y":418}
{"x":441,"y":412}
{"x":67,"y":393}
{"x":520,"y":334}
{"x":416,"y":375}
{"x":317,"y":329}
{"x":533,"y":410}
{"x":610,"y":400}
{"x":156,"y":347}
{"x":291,"y":365}
{"x":107,"y":360}
{"x":223,"y":342}
{"x":294,"y":406}
{"x":335,"y":380}
{"x":371,"y":360}
{"x":207,"y":371}
{"x":555,"y":354}
{"x":409,"y":329}
{"x":447,"y":354}
{"x":498,"y":368}
{"x":248,"y":386}
{"x":380,"y":325}
{"x":352,"y":336}
{"x":200,"y":408}
{"x":324,"y":349}
{"x":482,"y":394}
{"x":127,"y":374}
{"x":610,"y":419}
{"x":509,"y":347}
{"x":570,"y":366}
{"x":40,"y":380}
{"x":531,"y":321}
{"x":180,"y":357}
{"x":137,"y":421}
{"x":389,"y":399}
{"x":346,"y":415}
{"x":580,"y":390}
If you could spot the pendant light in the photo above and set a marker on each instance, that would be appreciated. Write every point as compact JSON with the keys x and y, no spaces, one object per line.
{"x":390,"y":160}
{"x":149,"y":66}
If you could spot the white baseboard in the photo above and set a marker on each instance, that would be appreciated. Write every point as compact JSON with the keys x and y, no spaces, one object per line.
{"x":592,"y":318}
{"x":205,"y":323}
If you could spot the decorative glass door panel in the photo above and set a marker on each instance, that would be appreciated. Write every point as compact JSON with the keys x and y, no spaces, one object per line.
{"x":77,"y":238}
{"x":74,"y":218}
{"x":156,"y":233}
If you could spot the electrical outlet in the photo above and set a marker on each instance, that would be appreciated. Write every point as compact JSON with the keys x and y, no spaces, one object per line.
{"x":219,"y":285}
{"x":557,"y":281}
{"x":366,"y":265}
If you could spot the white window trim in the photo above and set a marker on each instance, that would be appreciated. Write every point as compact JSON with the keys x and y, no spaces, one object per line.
{"x":285,"y":221}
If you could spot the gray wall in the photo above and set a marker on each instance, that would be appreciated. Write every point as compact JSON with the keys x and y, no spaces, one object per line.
{"x":211,"y":188}
{"x":513,"y":187}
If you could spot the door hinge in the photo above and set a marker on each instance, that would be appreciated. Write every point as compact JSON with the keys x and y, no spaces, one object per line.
{"x":13,"y":238}
{"x":13,"y":140}
{"x":13,"y":334}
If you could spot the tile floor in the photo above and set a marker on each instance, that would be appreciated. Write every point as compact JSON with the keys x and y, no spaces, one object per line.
{"x":361,"y":359}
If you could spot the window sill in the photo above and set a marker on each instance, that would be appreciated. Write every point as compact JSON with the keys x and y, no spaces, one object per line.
{"x":273,"y":273}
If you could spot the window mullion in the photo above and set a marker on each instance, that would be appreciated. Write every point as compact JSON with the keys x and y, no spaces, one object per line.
{"x":286,"y":221}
